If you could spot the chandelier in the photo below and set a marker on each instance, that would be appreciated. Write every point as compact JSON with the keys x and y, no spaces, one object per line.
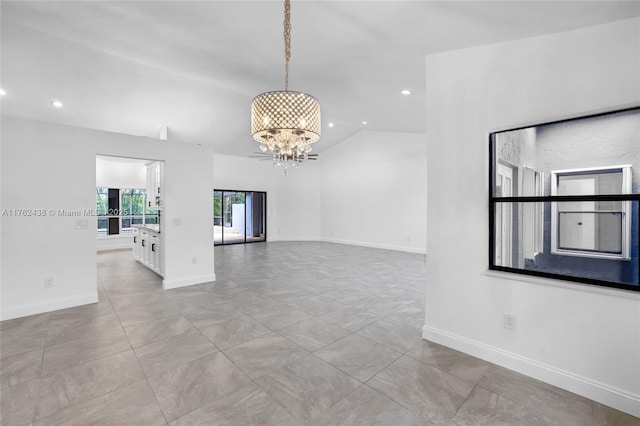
{"x":286,"y":123}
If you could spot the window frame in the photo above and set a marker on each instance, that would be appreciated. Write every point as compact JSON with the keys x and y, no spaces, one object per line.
{"x":495,"y":200}
{"x":143,"y":217}
{"x":224,"y":212}
{"x":625,"y":210}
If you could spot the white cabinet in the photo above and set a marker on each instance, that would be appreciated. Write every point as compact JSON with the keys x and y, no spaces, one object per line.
{"x":136,"y":242}
{"x":146,"y":247}
{"x":149,"y":236}
{"x":154,"y":184}
{"x":154,"y":252}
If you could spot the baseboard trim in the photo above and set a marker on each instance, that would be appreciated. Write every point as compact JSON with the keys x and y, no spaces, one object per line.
{"x":600,"y":392}
{"x":48,"y":306}
{"x":119,"y":246}
{"x":187,"y":281}
{"x":375,"y":245}
{"x":296,"y":239}
{"x":114,"y":243}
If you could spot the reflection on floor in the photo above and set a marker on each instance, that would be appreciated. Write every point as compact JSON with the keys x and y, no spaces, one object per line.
{"x":231,"y":236}
{"x":290,"y":334}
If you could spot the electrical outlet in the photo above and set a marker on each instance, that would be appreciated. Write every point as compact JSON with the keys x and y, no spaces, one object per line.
{"x":509,"y":321}
{"x":48,"y":282}
{"x":194,"y":260}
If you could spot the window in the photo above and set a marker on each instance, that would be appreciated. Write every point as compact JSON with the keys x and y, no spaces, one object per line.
{"x":131,"y":207}
{"x":532,"y":214}
{"x":561,"y":204}
{"x":102,"y":207}
{"x":120,"y":208}
{"x":591,"y":228}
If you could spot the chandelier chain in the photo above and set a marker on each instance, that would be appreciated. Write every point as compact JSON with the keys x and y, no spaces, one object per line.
{"x":287,"y":42}
{"x":286,"y":123}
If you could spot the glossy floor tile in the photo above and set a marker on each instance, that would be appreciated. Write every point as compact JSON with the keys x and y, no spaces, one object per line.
{"x":133,"y":405}
{"x":156,"y":358}
{"x":357,"y":356}
{"x":247,"y":406}
{"x":234,"y":331}
{"x":77,"y":384}
{"x":264,"y":354}
{"x":191,"y":385}
{"x":487,"y":408}
{"x":307,"y":387}
{"x":158,"y":329}
{"x":313,"y":334}
{"x":393,"y":334}
{"x":456,"y":363}
{"x":18,"y":402}
{"x":75,"y":352}
{"x":365,"y":406}
{"x":21,"y":367}
{"x":292,"y":333}
{"x":425,"y":390}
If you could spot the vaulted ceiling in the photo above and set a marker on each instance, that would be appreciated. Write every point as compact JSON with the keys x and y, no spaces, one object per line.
{"x":134,"y":66}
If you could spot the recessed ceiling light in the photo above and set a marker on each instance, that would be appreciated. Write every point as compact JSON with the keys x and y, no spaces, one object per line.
{"x":330,"y":124}
{"x":57,"y":104}
{"x":2,"y":92}
{"x":406,"y":92}
{"x":364,"y":122}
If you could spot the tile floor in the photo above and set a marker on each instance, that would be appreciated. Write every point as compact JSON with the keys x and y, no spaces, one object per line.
{"x":290,"y":334}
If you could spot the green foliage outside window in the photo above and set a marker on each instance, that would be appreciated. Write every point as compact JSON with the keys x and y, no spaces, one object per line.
{"x":102,"y":201}
{"x":217,"y":205}
{"x":132,"y":201}
{"x":133,"y":210}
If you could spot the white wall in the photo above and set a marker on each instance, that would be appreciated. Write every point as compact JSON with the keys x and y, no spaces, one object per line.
{"x":38,"y":172}
{"x":368,"y":190}
{"x":575,"y":336}
{"x":47,"y":166}
{"x":118,"y":172}
{"x":299,"y":202}
{"x":293,"y":201}
{"x":374,"y":191}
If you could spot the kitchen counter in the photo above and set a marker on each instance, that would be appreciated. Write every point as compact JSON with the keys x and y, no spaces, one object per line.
{"x":150,"y":226}
{"x":147,"y":243}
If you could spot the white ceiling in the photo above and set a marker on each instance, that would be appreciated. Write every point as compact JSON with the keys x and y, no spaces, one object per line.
{"x":134,"y":66}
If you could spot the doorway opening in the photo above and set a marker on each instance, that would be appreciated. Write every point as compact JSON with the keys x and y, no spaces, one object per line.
{"x":126,"y":198}
{"x":239,"y":216}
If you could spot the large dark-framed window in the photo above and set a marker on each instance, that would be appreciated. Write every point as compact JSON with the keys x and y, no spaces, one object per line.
{"x":239,"y":216}
{"x":117,"y":209}
{"x":564,"y":199}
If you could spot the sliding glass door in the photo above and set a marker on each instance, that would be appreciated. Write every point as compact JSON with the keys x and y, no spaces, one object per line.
{"x":239,"y":216}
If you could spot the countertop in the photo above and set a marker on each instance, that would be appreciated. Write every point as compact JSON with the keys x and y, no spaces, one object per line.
{"x":149,"y":226}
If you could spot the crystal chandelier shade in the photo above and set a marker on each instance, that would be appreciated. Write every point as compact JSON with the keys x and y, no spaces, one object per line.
{"x":286,"y":123}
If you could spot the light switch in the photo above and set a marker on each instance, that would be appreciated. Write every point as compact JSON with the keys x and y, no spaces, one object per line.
{"x":177,"y":221}
{"x":81,"y":224}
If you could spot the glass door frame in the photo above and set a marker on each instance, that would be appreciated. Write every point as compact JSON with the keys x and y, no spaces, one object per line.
{"x":223,"y":212}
